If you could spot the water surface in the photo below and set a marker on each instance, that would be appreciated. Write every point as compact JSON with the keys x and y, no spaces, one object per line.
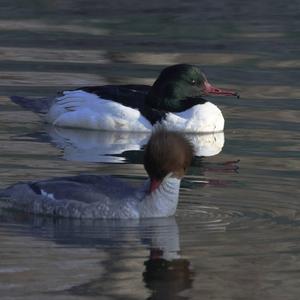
{"x":236,"y":233}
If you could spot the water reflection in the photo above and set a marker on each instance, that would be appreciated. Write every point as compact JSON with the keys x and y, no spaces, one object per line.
{"x":165,"y":274}
{"x":156,"y":242}
{"x":103,"y":146}
{"x":94,"y":146}
{"x":167,"y":279}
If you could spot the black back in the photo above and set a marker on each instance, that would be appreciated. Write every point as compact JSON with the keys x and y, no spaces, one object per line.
{"x":133,"y":96}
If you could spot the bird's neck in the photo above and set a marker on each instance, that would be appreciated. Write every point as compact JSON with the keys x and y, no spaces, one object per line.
{"x":190,"y":102}
{"x":171,"y":104}
{"x":163,"y":201}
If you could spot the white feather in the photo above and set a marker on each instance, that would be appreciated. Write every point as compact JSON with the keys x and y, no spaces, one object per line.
{"x":48,"y":195}
{"x":205,"y":117}
{"x":80,"y":109}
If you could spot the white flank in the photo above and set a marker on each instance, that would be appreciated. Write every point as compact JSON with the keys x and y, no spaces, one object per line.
{"x":79,"y":109}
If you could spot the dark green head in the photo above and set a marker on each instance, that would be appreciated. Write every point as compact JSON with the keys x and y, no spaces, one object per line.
{"x":180,"y":87}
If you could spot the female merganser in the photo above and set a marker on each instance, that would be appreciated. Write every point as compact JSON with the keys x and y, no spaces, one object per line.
{"x":175,"y":101}
{"x":167,"y":156}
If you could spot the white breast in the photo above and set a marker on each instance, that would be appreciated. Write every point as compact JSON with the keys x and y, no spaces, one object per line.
{"x":205,"y":117}
{"x":163,"y":201}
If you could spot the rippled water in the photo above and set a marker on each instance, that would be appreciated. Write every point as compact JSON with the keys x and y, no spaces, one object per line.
{"x":236,"y":234}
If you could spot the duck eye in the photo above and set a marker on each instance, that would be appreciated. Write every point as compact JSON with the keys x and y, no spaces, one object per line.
{"x":193,"y":81}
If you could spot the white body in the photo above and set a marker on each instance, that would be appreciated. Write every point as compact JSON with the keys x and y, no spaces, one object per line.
{"x":79,"y":109}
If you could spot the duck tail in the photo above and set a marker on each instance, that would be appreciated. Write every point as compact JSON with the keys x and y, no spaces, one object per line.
{"x":3,"y":198}
{"x":2,"y":193}
{"x":40,"y":106}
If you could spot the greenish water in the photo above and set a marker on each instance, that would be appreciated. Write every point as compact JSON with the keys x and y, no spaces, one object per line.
{"x":236,"y":234}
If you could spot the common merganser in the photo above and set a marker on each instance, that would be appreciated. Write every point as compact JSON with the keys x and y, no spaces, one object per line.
{"x":175,"y":101}
{"x":167,"y":156}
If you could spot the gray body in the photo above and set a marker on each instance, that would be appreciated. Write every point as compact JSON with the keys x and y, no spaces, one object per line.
{"x":91,"y":196}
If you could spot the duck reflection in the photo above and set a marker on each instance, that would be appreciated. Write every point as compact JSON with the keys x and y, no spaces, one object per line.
{"x":113,"y":147}
{"x":167,"y":279}
{"x":166,"y":273}
{"x":95,"y":146}
{"x":122,"y":262}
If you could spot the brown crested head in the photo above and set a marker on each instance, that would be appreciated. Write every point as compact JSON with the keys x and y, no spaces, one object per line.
{"x":167,"y":152}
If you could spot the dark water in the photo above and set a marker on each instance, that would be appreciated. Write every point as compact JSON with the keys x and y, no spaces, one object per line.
{"x":236,"y":234}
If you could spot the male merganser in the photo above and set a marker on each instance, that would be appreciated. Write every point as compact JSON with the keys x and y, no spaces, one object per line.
{"x":175,"y":101}
{"x":167,"y":156}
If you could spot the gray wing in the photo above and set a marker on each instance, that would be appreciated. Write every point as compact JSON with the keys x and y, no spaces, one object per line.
{"x":83,"y":188}
{"x":84,"y":196}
